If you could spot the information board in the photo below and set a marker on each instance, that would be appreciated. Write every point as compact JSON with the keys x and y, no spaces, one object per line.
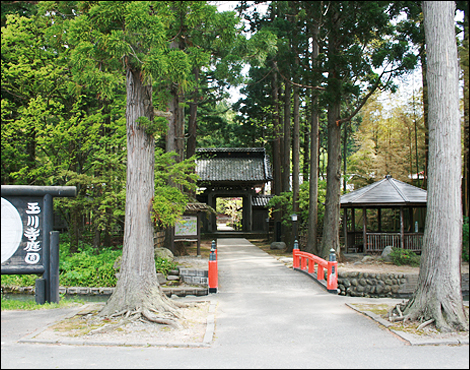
{"x":187,"y":226}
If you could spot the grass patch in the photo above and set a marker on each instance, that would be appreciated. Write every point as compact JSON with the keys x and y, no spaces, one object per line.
{"x":78,"y":326}
{"x":13,"y":304}
{"x":378,"y":309}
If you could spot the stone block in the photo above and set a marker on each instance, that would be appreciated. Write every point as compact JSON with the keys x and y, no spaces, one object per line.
{"x":83,"y":290}
{"x":106,"y":290}
{"x":278,"y":245}
{"x":72,"y":290}
{"x":161,"y":278}
{"x":385,"y":256}
{"x":164,"y":253}
{"x":173,"y":278}
{"x":94,"y":291}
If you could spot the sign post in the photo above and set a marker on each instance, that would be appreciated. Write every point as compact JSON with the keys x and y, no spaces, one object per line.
{"x":29,"y":246}
{"x":188,"y":229}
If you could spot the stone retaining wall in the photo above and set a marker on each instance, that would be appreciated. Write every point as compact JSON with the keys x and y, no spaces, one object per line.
{"x":198,"y":277}
{"x":83,"y":291}
{"x":194,"y":276}
{"x":382,"y":285}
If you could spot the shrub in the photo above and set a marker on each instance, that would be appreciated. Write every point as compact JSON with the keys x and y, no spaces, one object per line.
{"x":404,"y":257}
{"x":89,"y":267}
{"x":164,"y":266}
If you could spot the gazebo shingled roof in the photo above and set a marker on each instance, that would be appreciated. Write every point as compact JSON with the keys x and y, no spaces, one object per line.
{"x":387,"y":192}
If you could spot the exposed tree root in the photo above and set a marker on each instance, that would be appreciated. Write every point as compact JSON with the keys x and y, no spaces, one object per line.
{"x":444,"y":315}
{"x":153,"y":307}
{"x":424,"y":324}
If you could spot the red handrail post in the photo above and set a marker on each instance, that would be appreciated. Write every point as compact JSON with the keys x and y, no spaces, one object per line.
{"x":213,"y":272}
{"x":311,"y":266}
{"x":332,"y":272}
{"x":320,"y":272}
{"x":295,"y":262}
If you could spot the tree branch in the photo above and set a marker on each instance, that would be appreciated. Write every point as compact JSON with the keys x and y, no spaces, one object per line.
{"x":351,"y":116}
{"x":297,"y":84}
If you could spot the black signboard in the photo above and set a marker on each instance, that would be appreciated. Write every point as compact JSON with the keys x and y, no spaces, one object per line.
{"x":23,"y":234}
{"x":27,"y":231}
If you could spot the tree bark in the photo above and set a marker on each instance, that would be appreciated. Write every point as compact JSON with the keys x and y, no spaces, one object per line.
{"x":330,"y":236}
{"x":314,"y":150}
{"x":439,"y":295}
{"x":192,"y":122}
{"x":137,"y":289}
{"x":287,"y":138}
{"x":466,"y":130}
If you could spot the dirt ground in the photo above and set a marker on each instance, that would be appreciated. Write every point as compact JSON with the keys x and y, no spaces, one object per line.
{"x":86,"y":327}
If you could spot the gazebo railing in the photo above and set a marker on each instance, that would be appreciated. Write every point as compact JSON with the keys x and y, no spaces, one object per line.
{"x":376,"y":242}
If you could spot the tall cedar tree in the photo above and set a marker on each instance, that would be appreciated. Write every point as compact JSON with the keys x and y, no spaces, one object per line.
{"x":131,"y":38}
{"x":438,"y":296}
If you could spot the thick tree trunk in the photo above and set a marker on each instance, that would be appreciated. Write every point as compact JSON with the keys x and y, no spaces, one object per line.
{"x":438,"y":295}
{"x":137,"y":289}
{"x":425,"y":118}
{"x":312,"y":246}
{"x":277,"y":161}
{"x":277,"y":139}
{"x":330,"y":236}
{"x":313,"y":186}
{"x":287,"y":138}
{"x":466,"y":171}
{"x":192,"y":122}
{"x":296,"y":153}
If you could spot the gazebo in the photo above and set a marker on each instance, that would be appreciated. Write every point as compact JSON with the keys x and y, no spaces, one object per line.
{"x":386,"y":213}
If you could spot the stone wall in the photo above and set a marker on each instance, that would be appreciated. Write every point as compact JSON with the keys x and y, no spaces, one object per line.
{"x":382,"y":285}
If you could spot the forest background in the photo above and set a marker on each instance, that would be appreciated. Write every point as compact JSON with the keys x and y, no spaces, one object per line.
{"x":320,"y":95}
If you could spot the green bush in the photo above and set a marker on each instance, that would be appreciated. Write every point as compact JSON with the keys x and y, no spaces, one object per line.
{"x":465,"y":240}
{"x":164,"y":266}
{"x":89,"y":267}
{"x":404,"y":257}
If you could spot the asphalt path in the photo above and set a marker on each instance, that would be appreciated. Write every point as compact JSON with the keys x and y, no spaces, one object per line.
{"x":267,"y":316}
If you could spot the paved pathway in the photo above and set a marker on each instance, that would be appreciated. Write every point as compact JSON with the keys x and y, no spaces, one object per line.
{"x":268,"y":316}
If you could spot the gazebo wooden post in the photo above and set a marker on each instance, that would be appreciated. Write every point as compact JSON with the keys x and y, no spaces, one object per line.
{"x":402,"y":229}
{"x":364,"y":228}
{"x":379,"y":215}
{"x":345,"y":230}
{"x":353,"y":221}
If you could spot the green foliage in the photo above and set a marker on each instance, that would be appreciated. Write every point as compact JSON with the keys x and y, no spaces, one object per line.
{"x":231,"y":207}
{"x":163,"y":265}
{"x":89,"y":267}
{"x":284,"y":201}
{"x":465,"y":240}
{"x":401,"y":256}
{"x":12,"y":281}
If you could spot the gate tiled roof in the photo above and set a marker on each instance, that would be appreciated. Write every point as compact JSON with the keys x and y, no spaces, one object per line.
{"x":231,"y":166}
{"x":387,"y":192}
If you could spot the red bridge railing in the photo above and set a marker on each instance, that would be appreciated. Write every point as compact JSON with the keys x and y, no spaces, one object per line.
{"x":316,"y":267}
